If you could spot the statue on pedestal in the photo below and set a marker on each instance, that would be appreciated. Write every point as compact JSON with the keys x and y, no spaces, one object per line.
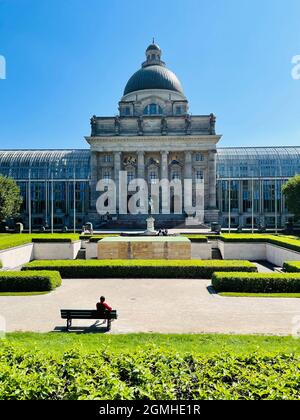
{"x":212,"y":124}
{"x":164,"y":126}
{"x":151,"y":205}
{"x":93,"y":121}
{"x":188,"y":124}
{"x":117,"y":126}
{"x":140,"y":126}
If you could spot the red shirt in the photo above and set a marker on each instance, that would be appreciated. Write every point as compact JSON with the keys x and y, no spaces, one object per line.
{"x":100,"y":306}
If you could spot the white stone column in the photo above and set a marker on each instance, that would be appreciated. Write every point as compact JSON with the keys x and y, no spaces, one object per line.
{"x":141,"y":175}
{"x":188,"y":171}
{"x":164,"y":165}
{"x":141,"y":165}
{"x":117,"y":169}
{"x":212,"y":174}
{"x":94,"y":179}
{"x":188,"y":175}
{"x":164,"y":175}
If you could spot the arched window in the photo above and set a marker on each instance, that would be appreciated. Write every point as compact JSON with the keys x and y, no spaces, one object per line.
{"x":153,"y":109}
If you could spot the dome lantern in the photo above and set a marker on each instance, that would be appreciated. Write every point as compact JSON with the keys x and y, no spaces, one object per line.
{"x":153,"y":75}
{"x":153,"y":55}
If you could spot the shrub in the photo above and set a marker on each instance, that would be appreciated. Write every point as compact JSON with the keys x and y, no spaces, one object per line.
{"x":29,"y":281}
{"x":283,"y":241}
{"x":146,"y":374}
{"x":292,"y":266}
{"x":96,"y":238}
{"x":52,"y":240}
{"x":256,"y":282}
{"x":12,"y":240}
{"x":196,"y":238}
{"x":140,"y":268}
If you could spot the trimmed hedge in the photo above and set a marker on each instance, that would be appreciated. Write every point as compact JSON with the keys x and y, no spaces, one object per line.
{"x":29,"y":281}
{"x":283,"y":241}
{"x":196,"y":238}
{"x":140,"y":268}
{"x":95,"y":238}
{"x":52,"y":240}
{"x":256,"y":282}
{"x":17,"y":239}
{"x":292,"y":266}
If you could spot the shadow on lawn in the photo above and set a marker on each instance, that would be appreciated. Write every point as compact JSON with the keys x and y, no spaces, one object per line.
{"x":95,"y":328}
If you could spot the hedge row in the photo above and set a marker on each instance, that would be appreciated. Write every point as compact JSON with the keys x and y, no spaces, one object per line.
{"x":140,"y":268}
{"x":29,"y":281}
{"x":12,"y":240}
{"x":256,"y":282}
{"x":292,"y":266}
{"x":197,"y":238}
{"x":52,"y":240}
{"x":146,"y":374}
{"x":283,"y":241}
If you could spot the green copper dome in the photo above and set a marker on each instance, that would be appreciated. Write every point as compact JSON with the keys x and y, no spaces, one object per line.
{"x":153,"y":77}
{"x":153,"y":74}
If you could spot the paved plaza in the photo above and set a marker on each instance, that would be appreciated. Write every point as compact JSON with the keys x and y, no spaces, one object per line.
{"x":150,"y":305}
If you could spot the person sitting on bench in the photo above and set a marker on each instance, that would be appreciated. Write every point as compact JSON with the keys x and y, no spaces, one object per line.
{"x":102,"y":306}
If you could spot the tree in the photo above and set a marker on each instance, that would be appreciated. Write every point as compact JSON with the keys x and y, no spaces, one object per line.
{"x":10,"y":198}
{"x":291,"y":191}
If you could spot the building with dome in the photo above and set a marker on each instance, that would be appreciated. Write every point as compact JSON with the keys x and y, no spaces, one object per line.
{"x":153,"y":137}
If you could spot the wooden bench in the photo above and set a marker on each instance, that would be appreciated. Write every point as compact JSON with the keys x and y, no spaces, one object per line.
{"x":70,"y":314}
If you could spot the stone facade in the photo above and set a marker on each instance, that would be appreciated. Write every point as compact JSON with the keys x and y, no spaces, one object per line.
{"x":154,"y":138}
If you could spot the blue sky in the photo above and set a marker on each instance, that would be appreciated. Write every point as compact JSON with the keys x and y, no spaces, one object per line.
{"x":67,"y":60}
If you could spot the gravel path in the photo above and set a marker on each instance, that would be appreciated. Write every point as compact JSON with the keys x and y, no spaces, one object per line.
{"x":165,"y":306}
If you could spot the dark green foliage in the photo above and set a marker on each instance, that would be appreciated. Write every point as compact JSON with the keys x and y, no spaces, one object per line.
{"x":15,"y":281}
{"x":283,"y":241}
{"x":146,"y":374}
{"x":52,"y":240}
{"x":292,"y":266}
{"x":256,"y":282}
{"x":197,"y":238}
{"x":140,"y":268}
{"x":10,"y":198}
{"x":291,"y":191}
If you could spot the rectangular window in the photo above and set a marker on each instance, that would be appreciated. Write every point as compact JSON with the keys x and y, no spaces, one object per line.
{"x":106,"y":176}
{"x":153,"y":178}
{"x":199,"y":175}
{"x":130,"y":176}
{"x":178,"y":110}
{"x":199,"y":157}
{"x":107,"y":158}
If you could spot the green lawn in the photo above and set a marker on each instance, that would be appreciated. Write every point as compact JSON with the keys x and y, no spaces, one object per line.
{"x":202,"y":344}
{"x":23,"y":293}
{"x":262,"y":295}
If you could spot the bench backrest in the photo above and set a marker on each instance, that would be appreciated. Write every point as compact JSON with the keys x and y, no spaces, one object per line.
{"x":87,"y":314}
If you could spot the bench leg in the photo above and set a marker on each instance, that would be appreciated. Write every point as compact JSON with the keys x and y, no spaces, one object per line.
{"x":69,"y":324}
{"x":108,"y":324}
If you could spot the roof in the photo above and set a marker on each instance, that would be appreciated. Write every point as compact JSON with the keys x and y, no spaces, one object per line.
{"x":153,"y":46}
{"x":153,"y":77}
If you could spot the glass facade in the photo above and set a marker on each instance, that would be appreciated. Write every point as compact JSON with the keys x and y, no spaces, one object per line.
{"x":249,"y":182}
{"x":50,"y":180}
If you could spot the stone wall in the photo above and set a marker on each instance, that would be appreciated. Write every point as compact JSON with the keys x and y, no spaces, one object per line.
{"x":144,"y":249}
